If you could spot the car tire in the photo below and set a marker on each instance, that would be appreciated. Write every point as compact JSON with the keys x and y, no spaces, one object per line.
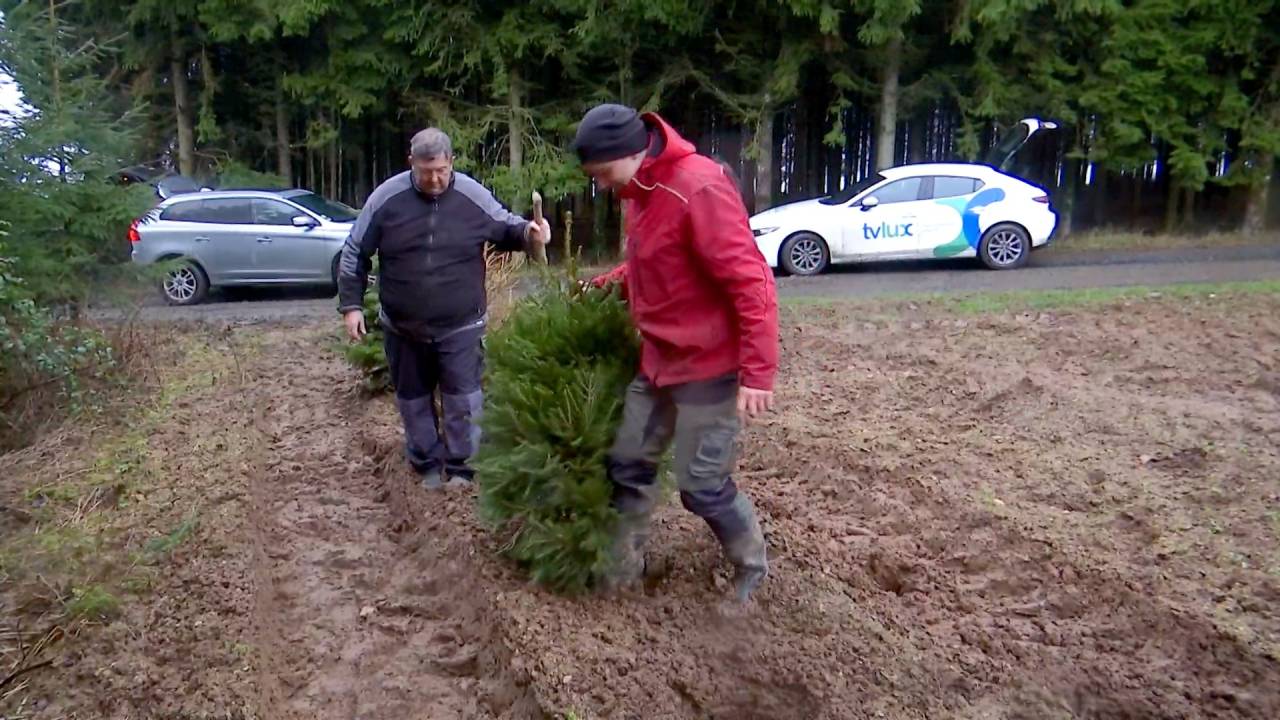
{"x":1004,"y":247}
{"x":804,"y":254}
{"x":186,"y":284}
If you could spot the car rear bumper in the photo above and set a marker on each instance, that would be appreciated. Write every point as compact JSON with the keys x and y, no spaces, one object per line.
{"x":1041,"y":226}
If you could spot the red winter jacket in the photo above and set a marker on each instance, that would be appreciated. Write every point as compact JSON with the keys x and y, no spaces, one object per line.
{"x":699,"y":290}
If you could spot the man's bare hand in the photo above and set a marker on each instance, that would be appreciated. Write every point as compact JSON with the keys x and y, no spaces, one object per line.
{"x":354,"y":320}
{"x":753,"y":403}
{"x":538,"y":232}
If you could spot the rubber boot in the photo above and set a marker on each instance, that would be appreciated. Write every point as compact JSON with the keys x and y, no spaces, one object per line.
{"x":627,"y":563}
{"x":738,"y":530}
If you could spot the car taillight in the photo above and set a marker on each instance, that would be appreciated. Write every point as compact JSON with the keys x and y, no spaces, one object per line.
{"x":1043,"y":199}
{"x":133,"y":232}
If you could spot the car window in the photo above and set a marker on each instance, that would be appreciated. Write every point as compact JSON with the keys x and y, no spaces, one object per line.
{"x":335,"y":211}
{"x":904,"y":190}
{"x":274,"y":212}
{"x":185,"y":212}
{"x":227,"y":211}
{"x":945,"y":187}
{"x":852,"y":191}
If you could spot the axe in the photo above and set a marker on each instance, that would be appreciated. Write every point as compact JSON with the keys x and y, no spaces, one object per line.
{"x":541,"y":253}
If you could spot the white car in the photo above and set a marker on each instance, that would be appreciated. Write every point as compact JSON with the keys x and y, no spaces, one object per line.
{"x":913,"y":212}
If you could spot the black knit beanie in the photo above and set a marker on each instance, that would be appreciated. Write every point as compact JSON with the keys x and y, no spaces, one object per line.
{"x":608,"y":132}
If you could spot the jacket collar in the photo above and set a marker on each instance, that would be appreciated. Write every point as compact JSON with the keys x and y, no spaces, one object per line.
{"x":656,"y":168}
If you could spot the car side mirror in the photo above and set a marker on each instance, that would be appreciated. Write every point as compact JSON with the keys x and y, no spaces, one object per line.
{"x":870,"y":202}
{"x":304,"y":221}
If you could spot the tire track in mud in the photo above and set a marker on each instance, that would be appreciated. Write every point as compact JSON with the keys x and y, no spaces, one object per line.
{"x":357,"y":614}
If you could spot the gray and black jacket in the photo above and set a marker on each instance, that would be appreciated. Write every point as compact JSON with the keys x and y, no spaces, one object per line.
{"x":431,"y":269}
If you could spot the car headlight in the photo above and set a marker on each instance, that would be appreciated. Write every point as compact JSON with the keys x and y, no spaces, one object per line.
{"x":760,"y":232}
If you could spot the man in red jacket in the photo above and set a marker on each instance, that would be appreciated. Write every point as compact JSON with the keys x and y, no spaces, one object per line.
{"x":704,"y":301}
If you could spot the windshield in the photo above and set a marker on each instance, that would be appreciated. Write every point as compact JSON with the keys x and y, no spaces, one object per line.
{"x":852,"y":191}
{"x":329,"y":209}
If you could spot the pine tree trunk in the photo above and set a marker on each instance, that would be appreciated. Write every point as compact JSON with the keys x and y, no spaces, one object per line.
{"x":624,"y":77}
{"x":1138,"y":186}
{"x":1070,"y":196}
{"x":887,"y":122}
{"x":284,"y":156}
{"x":331,"y":162}
{"x":515,"y":137}
{"x":1188,"y":209}
{"x":1255,"y":213}
{"x":1099,"y":194}
{"x":182,"y":111}
{"x":764,"y":161}
{"x":915,"y":143}
{"x":1171,"y":207}
{"x":798,"y":177}
{"x":57,"y":80}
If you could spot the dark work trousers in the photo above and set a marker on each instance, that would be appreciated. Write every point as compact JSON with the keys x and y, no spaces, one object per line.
{"x":702,"y":420}
{"x":454,"y":364}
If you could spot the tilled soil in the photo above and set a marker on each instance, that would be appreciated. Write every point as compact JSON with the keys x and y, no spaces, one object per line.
{"x":1046,"y":515}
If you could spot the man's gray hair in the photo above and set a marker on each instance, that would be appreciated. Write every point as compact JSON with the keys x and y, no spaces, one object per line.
{"x":429,"y":144}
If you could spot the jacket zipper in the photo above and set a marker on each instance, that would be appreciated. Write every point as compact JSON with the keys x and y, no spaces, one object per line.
{"x":431,"y":228}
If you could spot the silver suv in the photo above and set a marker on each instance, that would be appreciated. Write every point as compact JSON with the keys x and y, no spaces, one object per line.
{"x":242,"y":237}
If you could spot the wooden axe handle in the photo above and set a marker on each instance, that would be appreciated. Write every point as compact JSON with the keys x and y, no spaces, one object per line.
{"x":541,"y":253}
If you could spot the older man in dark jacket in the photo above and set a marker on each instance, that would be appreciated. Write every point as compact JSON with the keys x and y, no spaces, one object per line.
{"x":429,"y":227}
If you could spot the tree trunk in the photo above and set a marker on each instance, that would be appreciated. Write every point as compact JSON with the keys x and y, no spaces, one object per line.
{"x":764,"y":161}
{"x":887,"y":122}
{"x":916,"y":141}
{"x":624,"y":77}
{"x":284,"y":155}
{"x":57,"y":81}
{"x":1255,"y":212}
{"x":1188,"y":210}
{"x":1070,"y":196}
{"x":182,"y":111}
{"x":1099,"y":195}
{"x":332,"y":164}
{"x":1171,"y":207}
{"x":1138,"y":188}
{"x":515,"y":124}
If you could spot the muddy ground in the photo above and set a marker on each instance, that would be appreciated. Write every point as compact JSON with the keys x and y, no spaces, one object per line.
{"x":1066,"y":514}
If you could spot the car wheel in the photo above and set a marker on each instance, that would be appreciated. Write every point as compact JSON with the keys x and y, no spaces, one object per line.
{"x":1004,"y":247}
{"x":186,"y":284}
{"x":805,"y":254}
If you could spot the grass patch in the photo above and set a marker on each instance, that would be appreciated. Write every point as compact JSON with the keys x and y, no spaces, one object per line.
{"x":1121,"y":240}
{"x":93,"y":603}
{"x":82,"y":548}
{"x":160,"y":547}
{"x":980,"y":303}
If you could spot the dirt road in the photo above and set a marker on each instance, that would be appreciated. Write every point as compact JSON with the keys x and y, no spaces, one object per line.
{"x":1050,"y":270}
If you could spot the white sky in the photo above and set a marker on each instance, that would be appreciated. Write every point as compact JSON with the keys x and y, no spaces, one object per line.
{"x":10,"y":93}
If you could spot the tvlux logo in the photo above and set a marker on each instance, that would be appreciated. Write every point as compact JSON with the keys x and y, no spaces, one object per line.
{"x":885,"y":230}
